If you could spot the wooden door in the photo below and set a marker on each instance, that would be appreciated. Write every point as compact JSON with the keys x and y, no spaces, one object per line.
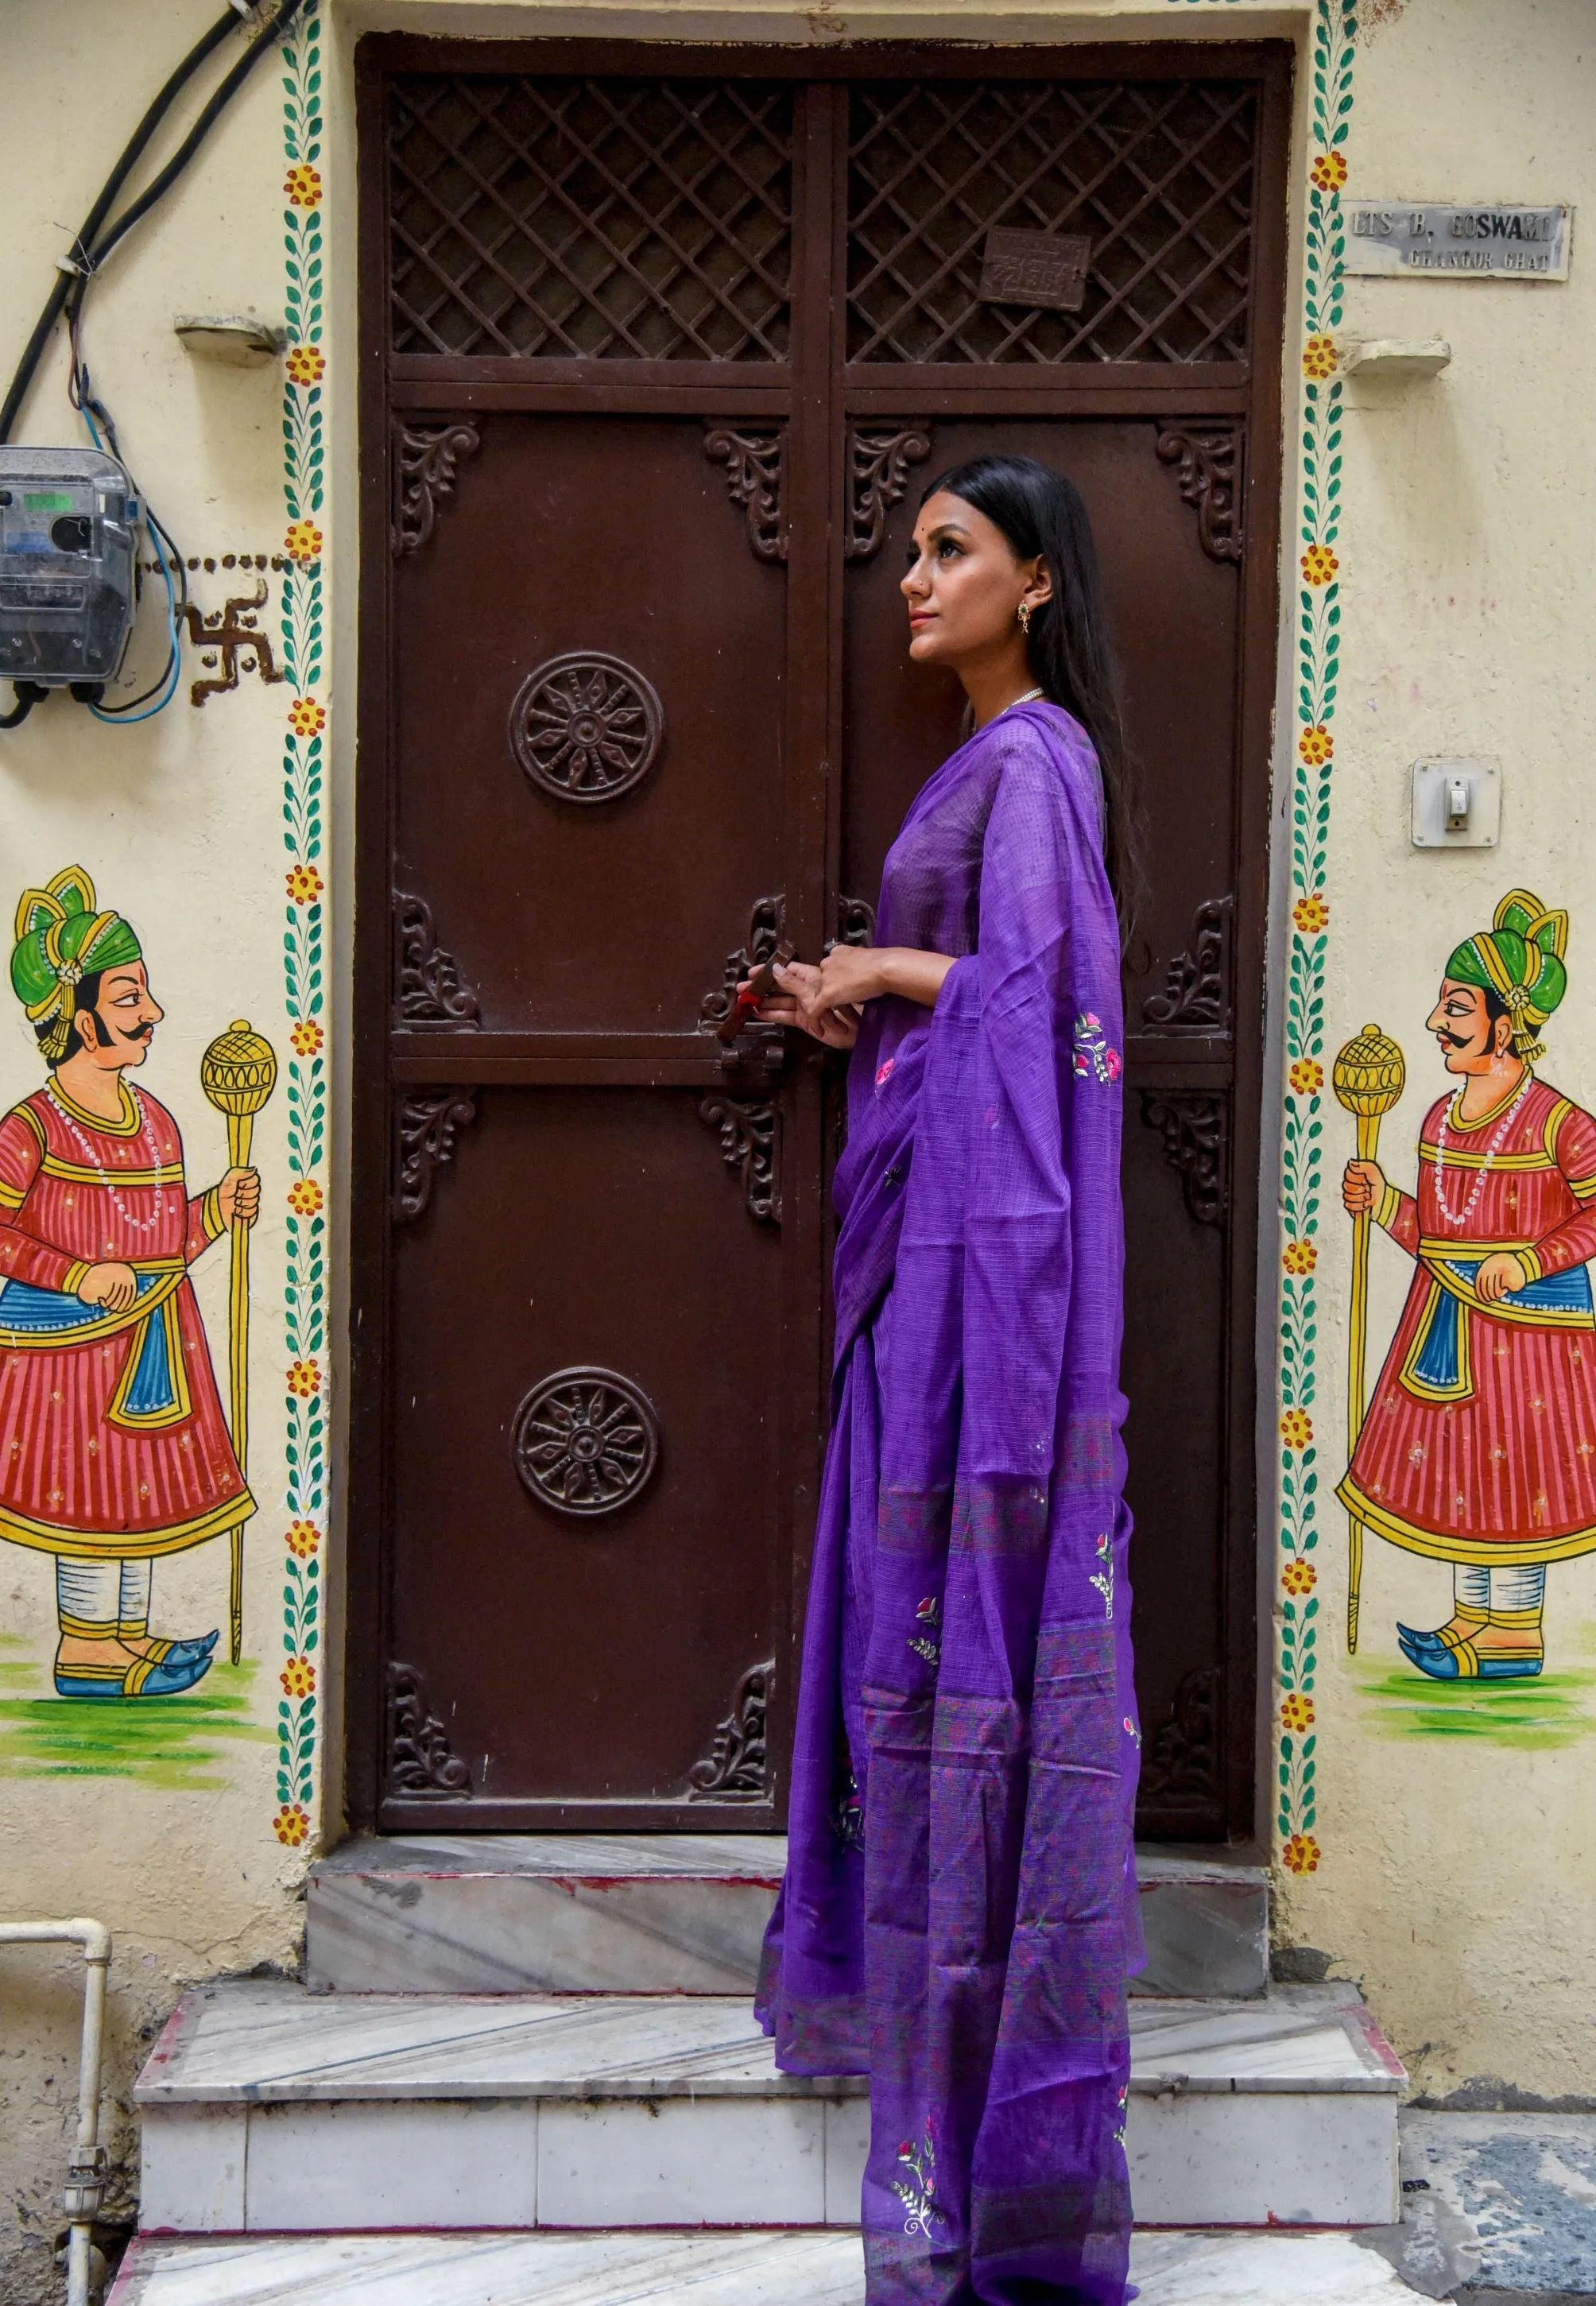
{"x":655,"y":369}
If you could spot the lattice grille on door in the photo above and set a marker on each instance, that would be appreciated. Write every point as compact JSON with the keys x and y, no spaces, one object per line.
{"x":1157,"y":174}
{"x":590,"y":219}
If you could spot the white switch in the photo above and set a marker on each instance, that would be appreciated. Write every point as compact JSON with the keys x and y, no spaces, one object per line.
{"x":1457,"y":804}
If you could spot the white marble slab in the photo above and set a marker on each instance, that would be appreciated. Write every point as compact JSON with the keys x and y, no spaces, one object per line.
{"x":813,"y":2269}
{"x":668,"y":1913}
{"x":808,"y":2269}
{"x":262,"y":2039}
{"x":1211,"y":2159}
{"x":311,"y":2169}
{"x":258,"y":2039}
{"x":753,"y":1857}
{"x":716,"y":2162}
{"x":191,"y":2179}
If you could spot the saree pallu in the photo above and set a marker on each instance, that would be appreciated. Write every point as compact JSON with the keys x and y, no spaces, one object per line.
{"x":958,"y":1915}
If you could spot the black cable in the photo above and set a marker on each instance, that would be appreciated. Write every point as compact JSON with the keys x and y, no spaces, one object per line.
{"x":192,"y":142}
{"x":28,"y":694}
{"x":84,"y":254}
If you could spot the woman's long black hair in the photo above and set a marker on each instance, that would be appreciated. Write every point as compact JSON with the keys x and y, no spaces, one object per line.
{"x":1071,"y":660}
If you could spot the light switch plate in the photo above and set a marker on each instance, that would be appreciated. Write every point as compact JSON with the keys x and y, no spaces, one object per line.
{"x":1431,"y":781}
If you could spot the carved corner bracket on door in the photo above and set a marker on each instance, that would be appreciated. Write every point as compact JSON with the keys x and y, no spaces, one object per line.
{"x":1210,"y":472}
{"x":767,"y":922}
{"x":428,"y":987}
{"x":1180,"y":1762}
{"x":426,"y":459}
{"x":1192,"y":1125}
{"x":878,"y":466}
{"x":420,"y":1758}
{"x":1196,"y":995}
{"x":856,"y":922}
{"x":427,"y":1124}
{"x":735,"y":1767}
{"x":750,"y":1140}
{"x":755,"y":479}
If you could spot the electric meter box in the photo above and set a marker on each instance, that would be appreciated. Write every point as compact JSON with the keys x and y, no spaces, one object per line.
{"x":68,"y":524}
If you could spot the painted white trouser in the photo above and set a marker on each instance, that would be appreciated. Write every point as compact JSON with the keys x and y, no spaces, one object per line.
{"x":99,"y":1600}
{"x":1512,"y":1585}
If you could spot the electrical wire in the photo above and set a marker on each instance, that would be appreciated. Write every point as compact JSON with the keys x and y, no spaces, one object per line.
{"x":55,"y":303}
{"x":96,"y":415}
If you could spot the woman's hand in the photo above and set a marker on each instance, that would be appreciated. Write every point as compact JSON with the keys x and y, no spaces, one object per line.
{"x":114,"y":1286}
{"x":238,"y":1196}
{"x":813,"y":999}
{"x":827,"y":1001}
{"x":1499,"y":1275}
{"x":1362,"y":1187}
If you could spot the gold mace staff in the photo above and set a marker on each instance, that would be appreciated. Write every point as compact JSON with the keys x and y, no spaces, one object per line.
{"x":238,"y":1073}
{"x":1369,"y":1076}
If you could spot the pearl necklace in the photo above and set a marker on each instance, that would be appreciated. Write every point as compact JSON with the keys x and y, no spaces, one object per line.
{"x":1461,"y":1216}
{"x":146,"y":1138}
{"x":1029,"y":698}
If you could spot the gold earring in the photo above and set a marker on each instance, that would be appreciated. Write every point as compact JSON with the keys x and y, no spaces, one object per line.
{"x":1025,"y":618}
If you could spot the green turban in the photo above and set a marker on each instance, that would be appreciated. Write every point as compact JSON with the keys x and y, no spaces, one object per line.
{"x":1520,"y":959}
{"x":61,"y":938}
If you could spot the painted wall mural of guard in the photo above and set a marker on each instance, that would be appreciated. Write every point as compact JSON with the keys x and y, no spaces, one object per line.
{"x":114,"y":1447}
{"x":1479,"y":1443}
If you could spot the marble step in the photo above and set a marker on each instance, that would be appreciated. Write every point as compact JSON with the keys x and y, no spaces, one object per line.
{"x":671,"y":1914}
{"x":663,"y":2269}
{"x":266,"y":2108}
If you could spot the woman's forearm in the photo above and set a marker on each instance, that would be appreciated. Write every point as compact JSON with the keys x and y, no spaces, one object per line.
{"x":911,"y":975}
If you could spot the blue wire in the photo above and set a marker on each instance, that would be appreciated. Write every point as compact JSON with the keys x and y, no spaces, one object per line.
{"x":129,"y":720}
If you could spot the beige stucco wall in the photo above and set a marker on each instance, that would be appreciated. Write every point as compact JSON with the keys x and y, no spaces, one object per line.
{"x":1457,"y":1871}
{"x":1451,"y":1865}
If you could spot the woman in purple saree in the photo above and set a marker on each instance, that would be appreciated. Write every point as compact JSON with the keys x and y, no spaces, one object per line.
{"x":958,"y":1915}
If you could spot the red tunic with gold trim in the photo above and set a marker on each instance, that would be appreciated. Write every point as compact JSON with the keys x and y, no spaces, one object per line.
{"x":1480,"y":1443}
{"x":112,"y":1438}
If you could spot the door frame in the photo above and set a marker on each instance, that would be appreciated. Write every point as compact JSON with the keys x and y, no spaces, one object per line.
{"x":812,"y":794}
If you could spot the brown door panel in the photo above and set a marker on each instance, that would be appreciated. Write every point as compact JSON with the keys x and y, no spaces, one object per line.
{"x":585,"y":1656}
{"x":583,"y":536}
{"x":695,"y":346}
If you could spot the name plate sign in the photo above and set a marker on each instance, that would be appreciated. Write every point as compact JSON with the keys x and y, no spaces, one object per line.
{"x":1479,"y":242}
{"x":1042,"y":268}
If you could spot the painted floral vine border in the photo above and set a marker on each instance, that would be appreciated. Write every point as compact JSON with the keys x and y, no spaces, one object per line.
{"x":305,"y":1295}
{"x":1318,"y":652}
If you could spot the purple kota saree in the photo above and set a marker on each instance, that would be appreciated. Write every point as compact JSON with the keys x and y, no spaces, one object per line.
{"x":958,"y":1915}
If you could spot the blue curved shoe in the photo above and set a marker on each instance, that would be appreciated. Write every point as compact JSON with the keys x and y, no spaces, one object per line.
{"x":1465,"y":1663}
{"x":179,"y":1652}
{"x":145,"y":1678}
{"x":1407,"y":1634}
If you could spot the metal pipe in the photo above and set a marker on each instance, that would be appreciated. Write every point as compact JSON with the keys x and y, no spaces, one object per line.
{"x":86,"y":2174}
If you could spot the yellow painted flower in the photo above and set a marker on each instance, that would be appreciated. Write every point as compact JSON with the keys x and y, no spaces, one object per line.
{"x":307,"y":364}
{"x":305,"y":884}
{"x":1311,"y":914}
{"x":1328,"y":172}
{"x":1299,"y":1576}
{"x":1320,"y":564}
{"x":1296,"y":1428}
{"x":1301,"y":1854}
{"x":1296,"y":1710}
{"x":302,"y":541}
{"x":302,"y":1538}
{"x":1299,"y":1257}
{"x":305,"y":1378}
{"x":305,"y":1197}
{"x":303,"y":187}
{"x":306,"y":718}
{"x":292,"y":1823}
{"x":307,"y":1037}
{"x":1307,"y":1076}
{"x":298,"y":1677}
{"x":1319,"y":358}
{"x":1316,"y":744}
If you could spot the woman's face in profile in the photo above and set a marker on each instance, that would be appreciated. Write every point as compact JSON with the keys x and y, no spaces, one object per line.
{"x":964,"y":585}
